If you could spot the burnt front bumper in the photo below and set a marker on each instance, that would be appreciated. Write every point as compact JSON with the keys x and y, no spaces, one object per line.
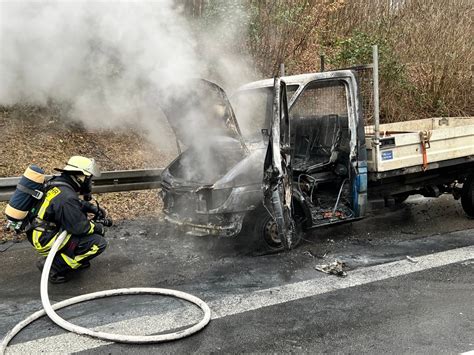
{"x":225,"y":226}
{"x":202,"y":211}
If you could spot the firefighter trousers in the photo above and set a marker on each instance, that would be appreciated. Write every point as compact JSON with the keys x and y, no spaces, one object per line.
{"x":78,"y":251}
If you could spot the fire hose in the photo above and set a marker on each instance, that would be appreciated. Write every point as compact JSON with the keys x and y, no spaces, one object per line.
{"x":118,"y":338}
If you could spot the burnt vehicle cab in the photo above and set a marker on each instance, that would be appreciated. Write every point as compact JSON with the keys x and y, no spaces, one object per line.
{"x":298,"y":163}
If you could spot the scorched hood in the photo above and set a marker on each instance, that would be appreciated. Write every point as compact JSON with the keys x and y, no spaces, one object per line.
{"x":199,"y":111}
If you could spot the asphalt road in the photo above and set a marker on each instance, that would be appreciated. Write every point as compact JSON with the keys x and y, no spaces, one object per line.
{"x":270,"y":303}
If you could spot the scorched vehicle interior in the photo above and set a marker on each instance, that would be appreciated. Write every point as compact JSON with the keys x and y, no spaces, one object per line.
{"x":305,"y":163}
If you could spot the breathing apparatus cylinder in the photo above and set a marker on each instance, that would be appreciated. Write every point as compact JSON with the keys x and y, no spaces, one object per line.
{"x":28,"y":192}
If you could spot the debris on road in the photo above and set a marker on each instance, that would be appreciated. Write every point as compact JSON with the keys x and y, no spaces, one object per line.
{"x":334,"y":268}
{"x":412,"y":260}
{"x":310,"y":254}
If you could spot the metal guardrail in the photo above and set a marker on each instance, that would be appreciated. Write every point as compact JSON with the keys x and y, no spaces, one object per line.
{"x":109,"y":181}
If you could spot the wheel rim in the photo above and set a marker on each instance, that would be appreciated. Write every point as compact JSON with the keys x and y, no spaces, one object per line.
{"x":270,"y":234}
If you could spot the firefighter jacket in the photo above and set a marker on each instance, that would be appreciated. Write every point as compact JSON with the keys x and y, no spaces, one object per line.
{"x":61,"y":209}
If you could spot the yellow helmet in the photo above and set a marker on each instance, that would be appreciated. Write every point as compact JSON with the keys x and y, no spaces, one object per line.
{"x":83,"y":165}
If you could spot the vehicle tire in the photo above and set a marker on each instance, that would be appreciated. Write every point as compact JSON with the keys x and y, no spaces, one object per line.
{"x":467,"y":196}
{"x":265,"y":233}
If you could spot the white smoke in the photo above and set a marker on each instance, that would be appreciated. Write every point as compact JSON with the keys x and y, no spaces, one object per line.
{"x":107,"y":60}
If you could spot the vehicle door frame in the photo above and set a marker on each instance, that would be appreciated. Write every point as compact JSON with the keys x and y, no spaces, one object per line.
{"x":358,"y":152}
{"x":277,"y":176}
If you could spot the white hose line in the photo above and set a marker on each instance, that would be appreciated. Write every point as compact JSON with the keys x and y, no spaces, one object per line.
{"x":118,"y":338}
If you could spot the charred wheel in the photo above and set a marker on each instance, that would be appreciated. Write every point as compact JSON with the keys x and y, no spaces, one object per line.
{"x":269,"y":233}
{"x":265,"y":231}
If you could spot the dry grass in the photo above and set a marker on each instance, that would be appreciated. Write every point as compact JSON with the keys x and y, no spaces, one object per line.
{"x":32,"y":134}
{"x":431,"y":40}
{"x":287,"y":32}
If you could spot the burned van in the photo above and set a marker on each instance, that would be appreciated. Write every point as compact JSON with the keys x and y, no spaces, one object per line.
{"x":246,"y":164}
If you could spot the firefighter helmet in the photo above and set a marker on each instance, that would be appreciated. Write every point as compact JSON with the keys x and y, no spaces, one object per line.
{"x":82,"y":165}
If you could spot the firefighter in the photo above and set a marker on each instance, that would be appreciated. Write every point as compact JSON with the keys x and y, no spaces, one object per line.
{"x":62,"y":209}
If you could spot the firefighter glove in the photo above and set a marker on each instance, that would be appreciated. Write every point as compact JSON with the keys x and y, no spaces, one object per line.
{"x":101,"y":213}
{"x":107,"y":222}
{"x":99,"y":228}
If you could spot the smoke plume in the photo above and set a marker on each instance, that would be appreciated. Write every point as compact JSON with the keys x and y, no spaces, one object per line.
{"x":113,"y":62}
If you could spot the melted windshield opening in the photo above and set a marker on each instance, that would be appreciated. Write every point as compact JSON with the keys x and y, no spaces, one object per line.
{"x":253,"y":109}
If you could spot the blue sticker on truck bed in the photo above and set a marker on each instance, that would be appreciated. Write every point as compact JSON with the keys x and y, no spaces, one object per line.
{"x":387,"y":155}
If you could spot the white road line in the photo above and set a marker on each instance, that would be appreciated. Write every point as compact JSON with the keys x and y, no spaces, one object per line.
{"x":236,"y":304}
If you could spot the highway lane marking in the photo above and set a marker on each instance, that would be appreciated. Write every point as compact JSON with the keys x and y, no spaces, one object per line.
{"x":236,"y":304}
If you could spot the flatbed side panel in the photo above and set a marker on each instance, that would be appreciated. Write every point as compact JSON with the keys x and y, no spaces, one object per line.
{"x":460,"y":167}
{"x":451,"y":139}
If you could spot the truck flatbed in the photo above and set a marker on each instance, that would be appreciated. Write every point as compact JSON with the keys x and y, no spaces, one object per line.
{"x":419,"y":145}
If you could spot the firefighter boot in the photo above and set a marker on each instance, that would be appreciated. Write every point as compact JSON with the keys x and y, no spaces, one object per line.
{"x":55,"y":277}
{"x":84,"y":265}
